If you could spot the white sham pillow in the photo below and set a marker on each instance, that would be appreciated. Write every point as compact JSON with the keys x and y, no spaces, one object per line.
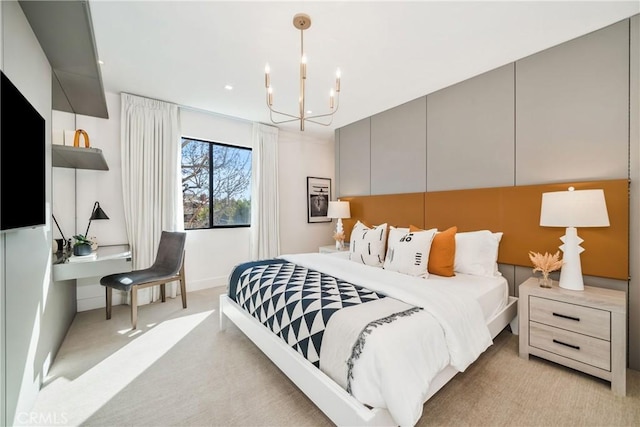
{"x":408,"y":252}
{"x":367,"y":245}
{"x":477,"y":253}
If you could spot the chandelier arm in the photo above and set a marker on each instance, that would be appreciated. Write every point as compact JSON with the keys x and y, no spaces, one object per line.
{"x":277,"y":122}
{"x":319,"y":123}
{"x":283,"y":114}
{"x":317,"y":116}
{"x":323,"y":115}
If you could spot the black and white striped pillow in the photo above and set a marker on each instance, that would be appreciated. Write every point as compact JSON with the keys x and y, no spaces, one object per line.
{"x":408,"y":251}
{"x":367,"y":245}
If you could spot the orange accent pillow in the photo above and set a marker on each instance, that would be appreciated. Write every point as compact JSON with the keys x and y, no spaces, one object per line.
{"x":443,"y":252}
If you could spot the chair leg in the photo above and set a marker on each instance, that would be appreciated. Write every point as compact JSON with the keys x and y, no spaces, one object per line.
{"x":183,"y":287}
{"x":183,"y":292}
{"x":109,"y":294}
{"x":134,"y":307}
{"x":163,"y":292}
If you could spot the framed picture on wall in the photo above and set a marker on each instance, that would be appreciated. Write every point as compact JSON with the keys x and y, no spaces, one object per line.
{"x":318,"y":196}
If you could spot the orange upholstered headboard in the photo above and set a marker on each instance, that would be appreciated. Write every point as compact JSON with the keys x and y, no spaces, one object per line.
{"x":515,"y":211}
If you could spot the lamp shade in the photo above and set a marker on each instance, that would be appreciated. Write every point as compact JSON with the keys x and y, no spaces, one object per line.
{"x":338,"y":210}
{"x":98,"y":213}
{"x":582,"y":208}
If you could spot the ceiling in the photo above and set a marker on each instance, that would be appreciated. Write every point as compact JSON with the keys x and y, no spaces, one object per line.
{"x":389,"y":53}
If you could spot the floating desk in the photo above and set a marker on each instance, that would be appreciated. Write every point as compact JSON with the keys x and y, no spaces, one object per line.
{"x":109,"y":259}
{"x":86,"y":274}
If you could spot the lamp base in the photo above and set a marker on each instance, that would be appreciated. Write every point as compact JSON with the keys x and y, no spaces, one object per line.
{"x":339,"y":230}
{"x":571,"y":271}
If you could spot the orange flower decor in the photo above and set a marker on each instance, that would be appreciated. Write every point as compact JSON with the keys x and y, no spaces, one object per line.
{"x":545,"y":264}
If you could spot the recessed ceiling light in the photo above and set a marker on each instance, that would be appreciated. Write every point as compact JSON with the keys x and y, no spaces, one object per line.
{"x":228,"y":87}
{"x":309,"y":111}
{"x":101,"y":62}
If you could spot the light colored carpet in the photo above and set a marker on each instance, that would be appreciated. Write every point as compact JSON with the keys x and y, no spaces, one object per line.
{"x":179,"y":369}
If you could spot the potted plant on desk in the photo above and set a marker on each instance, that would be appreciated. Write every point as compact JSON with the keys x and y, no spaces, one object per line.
{"x":82,"y":245}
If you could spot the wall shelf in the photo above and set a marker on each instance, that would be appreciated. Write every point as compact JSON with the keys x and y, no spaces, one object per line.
{"x":64,"y":156}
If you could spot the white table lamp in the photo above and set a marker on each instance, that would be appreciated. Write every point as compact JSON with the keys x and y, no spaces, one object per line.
{"x":572,"y":209}
{"x":339,"y":210}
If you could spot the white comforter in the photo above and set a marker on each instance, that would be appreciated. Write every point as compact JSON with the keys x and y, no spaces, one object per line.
{"x":400,"y":359}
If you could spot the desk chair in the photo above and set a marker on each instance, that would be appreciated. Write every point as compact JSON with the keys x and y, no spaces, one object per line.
{"x":168,"y":267}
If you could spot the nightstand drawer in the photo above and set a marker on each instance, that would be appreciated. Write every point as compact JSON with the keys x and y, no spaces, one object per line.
{"x":577,"y":318}
{"x":589,"y":350}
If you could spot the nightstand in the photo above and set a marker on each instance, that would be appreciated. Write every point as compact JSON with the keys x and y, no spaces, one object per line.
{"x":332,"y":248}
{"x":583,"y":330}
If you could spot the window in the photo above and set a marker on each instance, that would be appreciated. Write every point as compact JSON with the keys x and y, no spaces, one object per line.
{"x":216,"y":185}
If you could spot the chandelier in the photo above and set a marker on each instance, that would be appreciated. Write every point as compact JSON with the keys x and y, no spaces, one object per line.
{"x":302,"y":21}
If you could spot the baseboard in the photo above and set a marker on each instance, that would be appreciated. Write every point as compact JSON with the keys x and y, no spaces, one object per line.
{"x":91,"y":302}
{"x":212,"y":282}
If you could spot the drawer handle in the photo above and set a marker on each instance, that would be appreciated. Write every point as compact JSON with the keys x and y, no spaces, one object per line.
{"x":575,"y":347}
{"x":564,"y":316}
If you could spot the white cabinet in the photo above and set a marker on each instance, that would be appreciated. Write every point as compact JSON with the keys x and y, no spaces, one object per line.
{"x":583,"y":330}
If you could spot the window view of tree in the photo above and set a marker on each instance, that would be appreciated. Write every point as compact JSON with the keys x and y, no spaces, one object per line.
{"x":216,"y":185}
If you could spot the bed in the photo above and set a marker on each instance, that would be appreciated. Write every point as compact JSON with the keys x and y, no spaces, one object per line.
{"x":422,"y":331}
{"x":513,"y":210}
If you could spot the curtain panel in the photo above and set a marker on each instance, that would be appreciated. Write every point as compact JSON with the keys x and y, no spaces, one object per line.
{"x":265,"y":216}
{"x":151,"y":180}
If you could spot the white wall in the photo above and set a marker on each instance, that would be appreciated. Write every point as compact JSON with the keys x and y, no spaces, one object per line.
{"x":76,"y":190}
{"x":210,"y":254}
{"x":300,"y":156}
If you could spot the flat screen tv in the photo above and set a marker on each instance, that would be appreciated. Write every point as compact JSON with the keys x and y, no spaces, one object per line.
{"x":22,"y":161}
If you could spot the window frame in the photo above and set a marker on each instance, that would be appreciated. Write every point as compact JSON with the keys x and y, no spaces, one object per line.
{"x":211,"y":199}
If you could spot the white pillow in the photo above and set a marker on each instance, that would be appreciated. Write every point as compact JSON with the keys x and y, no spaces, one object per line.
{"x":408,"y":252}
{"x":477,"y":253}
{"x":367,"y":244}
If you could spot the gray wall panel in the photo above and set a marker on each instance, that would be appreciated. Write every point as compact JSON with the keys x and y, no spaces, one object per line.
{"x":354,"y":168}
{"x":470,"y":133}
{"x":398,"y":150}
{"x":572,"y":109}
{"x":38,"y":312}
{"x":634,"y":212}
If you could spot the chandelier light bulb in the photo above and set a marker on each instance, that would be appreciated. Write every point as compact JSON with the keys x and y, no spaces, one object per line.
{"x":267,"y":80}
{"x":303,"y":66}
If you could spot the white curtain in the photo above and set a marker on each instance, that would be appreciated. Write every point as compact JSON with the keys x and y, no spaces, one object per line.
{"x":265,"y":217}
{"x":151,"y":175}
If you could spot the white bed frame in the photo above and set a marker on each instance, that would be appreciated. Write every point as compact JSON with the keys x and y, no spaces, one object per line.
{"x":342,"y":408}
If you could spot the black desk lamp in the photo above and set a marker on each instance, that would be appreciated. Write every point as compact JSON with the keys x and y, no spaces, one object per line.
{"x":96,"y":213}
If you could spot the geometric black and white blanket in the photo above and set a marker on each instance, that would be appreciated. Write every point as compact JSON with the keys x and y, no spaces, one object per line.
{"x":293,"y":301}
